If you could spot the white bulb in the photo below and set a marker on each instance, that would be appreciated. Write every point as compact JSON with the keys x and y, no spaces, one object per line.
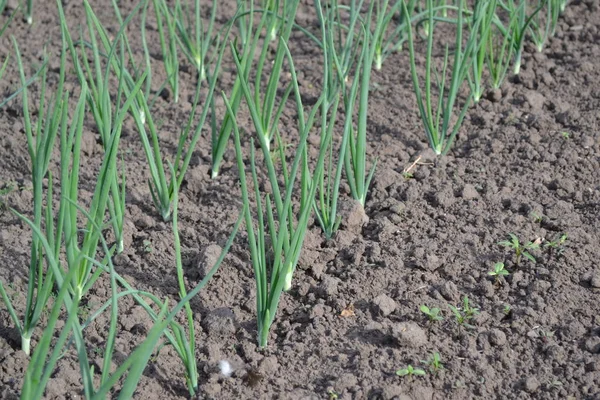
{"x":226,"y":368}
{"x":287,"y":285}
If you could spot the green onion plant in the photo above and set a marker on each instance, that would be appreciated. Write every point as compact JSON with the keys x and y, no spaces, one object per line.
{"x":386,"y":42}
{"x":49,"y":351}
{"x":440,"y":9}
{"x":276,"y":243}
{"x":346,"y":42}
{"x":562,"y":4}
{"x":29,"y":12}
{"x":161,"y":189}
{"x":168,"y":44}
{"x":543,"y":24}
{"x":386,"y":45}
{"x":105,"y":186}
{"x":195,"y":40}
{"x":271,"y":10}
{"x":186,"y":346}
{"x":41,"y":138}
{"x":484,"y":15}
{"x":97,"y":75}
{"x":245,"y":49}
{"x":325,"y":205}
{"x":361,"y":33}
{"x":359,"y":179}
{"x":42,"y":361}
{"x":147,"y":63}
{"x":540,"y":26}
{"x":334,"y":80}
{"x":174,"y":333}
{"x":500,"y":51}
{"x":438,"y":124}
{"x":518,"y":28}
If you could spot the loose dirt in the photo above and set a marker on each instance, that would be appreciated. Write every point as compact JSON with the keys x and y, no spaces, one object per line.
{"x":526,"y":161}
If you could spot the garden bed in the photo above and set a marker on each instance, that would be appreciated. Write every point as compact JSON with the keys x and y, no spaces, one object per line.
{"x":525,"y":162}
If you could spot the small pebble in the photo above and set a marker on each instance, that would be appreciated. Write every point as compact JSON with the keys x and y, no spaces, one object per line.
{"x":317,"y":311}
{"x":268,"y":365}
{"x":221,"y":322}
{"x":494,"y":95}
{"x":535,"y":99}
{"x":531,"y":384}
{"x":497,"y":337}
{"x":450,"y":291}
{"x":593,"y":345}
{"x":469,"y":192}
{"x":409,"y":334}
{"x":329,"y":286}
{"x":595,"y":280}
{"x":384,"y":304}
{"x":346,"y":381}
{"x":353,"y":215}
{"x":587,"y":141}
{"x":207,"y":260}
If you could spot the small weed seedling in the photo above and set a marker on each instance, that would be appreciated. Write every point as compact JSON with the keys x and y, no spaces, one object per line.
{"x":332,"y":394}
{"x":470,"y":312}
{"x":410,"y":371}
{"x":546,"y":336}
{"x":506,"y":309}
{"x":3,"y":192}
{"x":465,"y":313}
{"x":498,"y":271}
{"x":519,"y":248}
{"x":565,"y":134}
{"x":97,"y":351}
{"x":458,"y":384}
{"x":147,"y":246}
{"x":432,"y":313}
{"x":408,"y":172}
{"x":8,"y":188}
{"x":553,"y":383}
{"x":556,"y":246}
{"x":461,"y":319}
{"x":434,"y":362}
{"x":537,"y":218}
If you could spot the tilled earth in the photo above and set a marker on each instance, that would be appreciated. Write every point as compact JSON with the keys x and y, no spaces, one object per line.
{"x":526,"y":161}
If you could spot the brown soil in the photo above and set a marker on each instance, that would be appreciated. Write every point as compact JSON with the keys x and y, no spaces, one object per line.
{"x":352,"y":318}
